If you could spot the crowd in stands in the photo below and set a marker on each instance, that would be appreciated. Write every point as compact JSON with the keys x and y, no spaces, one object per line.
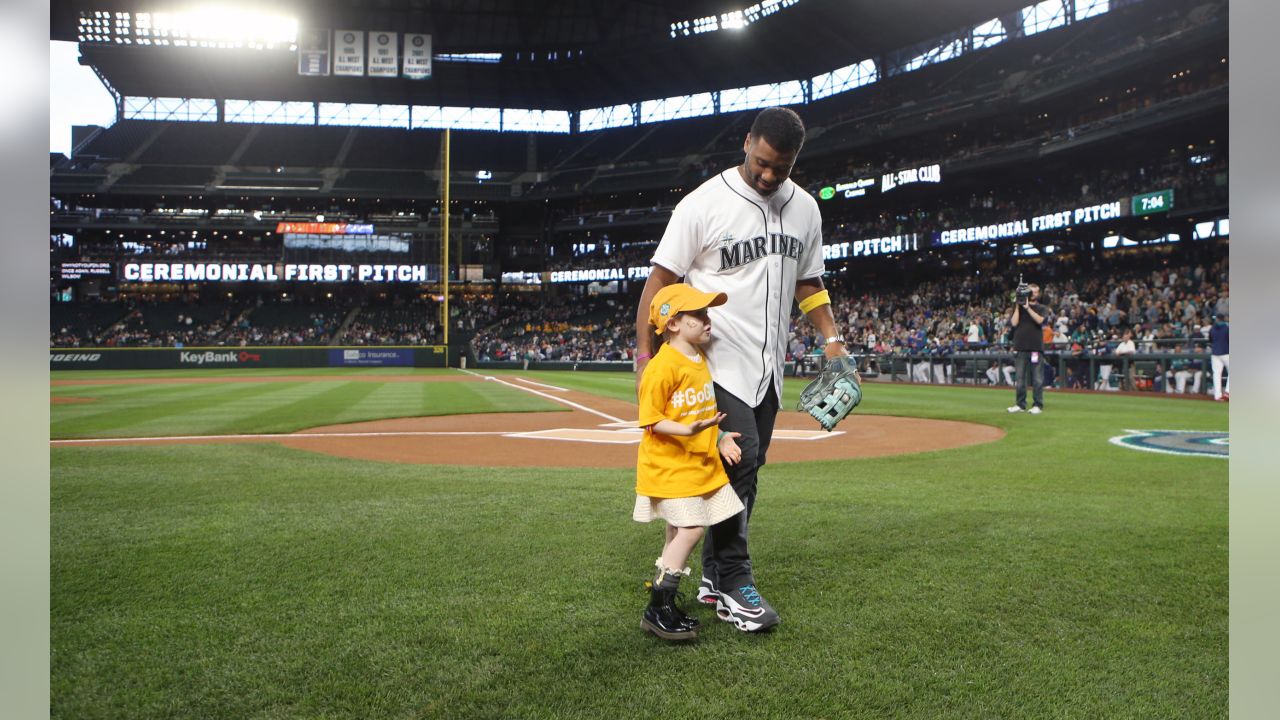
{"x":568,"y":331}
{"x":414,"y":323}
{"x":1167,"y":307}
{"x":192,"y":323}
{"x":308,"y":327}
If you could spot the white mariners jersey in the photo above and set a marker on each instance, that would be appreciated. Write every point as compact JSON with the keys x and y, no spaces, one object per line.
{"x":726,"y":237}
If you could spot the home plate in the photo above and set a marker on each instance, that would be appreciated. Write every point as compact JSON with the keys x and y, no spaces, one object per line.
{"x":779,"y":434}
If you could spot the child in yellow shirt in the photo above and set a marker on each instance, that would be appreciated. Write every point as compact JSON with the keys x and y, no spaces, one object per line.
{"x":680,"y":477}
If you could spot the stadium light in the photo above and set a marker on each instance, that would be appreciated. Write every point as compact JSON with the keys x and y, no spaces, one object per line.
{"x":220,"y":26}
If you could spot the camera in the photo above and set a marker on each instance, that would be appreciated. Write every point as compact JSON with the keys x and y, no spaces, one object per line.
{"x":1023,"y":292}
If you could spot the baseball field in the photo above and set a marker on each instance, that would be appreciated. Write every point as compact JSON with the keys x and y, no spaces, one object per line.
{"x":398,"y":543}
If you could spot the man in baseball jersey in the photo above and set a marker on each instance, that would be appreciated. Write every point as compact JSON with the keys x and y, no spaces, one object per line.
{"x":1220,"y":340}
{"x":754,"y":234}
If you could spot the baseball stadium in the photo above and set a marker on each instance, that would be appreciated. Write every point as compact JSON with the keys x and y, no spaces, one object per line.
{"x":352,"y":345}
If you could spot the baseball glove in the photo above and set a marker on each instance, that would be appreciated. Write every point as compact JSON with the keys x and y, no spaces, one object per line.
{"x":834,"y":394}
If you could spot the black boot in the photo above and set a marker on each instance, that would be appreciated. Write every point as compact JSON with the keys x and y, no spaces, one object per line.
{"x":664,"y":619}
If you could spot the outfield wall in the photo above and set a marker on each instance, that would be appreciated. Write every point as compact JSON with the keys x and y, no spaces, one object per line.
{"x":245,"y":357}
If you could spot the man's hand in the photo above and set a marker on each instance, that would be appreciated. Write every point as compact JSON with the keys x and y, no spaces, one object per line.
{"x":729,"y":449}
{"x":835,"y":393}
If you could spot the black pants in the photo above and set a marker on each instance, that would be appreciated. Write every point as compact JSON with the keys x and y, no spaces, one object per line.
{"x":1024,"y":368}
{"x":725,"y":557}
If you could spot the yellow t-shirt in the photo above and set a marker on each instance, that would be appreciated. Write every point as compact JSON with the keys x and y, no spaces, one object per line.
{"x":677,"y":388}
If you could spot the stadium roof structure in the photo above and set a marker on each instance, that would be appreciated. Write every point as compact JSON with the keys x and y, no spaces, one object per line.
{"x":549,"y":55}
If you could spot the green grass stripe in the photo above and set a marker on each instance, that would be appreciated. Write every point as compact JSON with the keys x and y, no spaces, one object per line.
{"x":303,"y":405}
{"x":274,"y":407}
{"x":186,"y":412}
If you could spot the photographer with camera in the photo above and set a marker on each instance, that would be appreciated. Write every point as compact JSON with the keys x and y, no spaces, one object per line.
{"x":1028,"y":321}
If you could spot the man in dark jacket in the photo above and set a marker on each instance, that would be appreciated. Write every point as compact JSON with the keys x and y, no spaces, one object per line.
{"x":1027,"y":321}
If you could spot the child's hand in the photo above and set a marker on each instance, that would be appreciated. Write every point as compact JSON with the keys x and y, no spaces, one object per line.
{"x":699,"y":425}
{"x":729,"y":449}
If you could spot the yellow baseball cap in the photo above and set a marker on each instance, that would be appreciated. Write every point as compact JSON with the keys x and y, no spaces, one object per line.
{"x":678,"y":298}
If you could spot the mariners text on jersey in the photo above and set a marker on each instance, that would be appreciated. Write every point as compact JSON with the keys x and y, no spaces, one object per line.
{"x":740,"y":253}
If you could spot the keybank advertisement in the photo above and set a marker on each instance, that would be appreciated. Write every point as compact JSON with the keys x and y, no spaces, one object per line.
{"x":370,"y":358}
{"x":218,"y":357}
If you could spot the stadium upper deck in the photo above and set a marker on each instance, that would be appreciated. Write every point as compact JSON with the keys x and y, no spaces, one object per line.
{"x":1090,"y":95}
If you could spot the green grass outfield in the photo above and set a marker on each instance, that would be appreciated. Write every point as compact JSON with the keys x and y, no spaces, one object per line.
{"x":1049,"y":574}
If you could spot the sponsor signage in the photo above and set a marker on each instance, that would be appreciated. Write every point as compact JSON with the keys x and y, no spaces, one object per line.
{"x":872,"y":246}
{"x":78,"y":270}
{"x":927,"y":173}
{"x":384,"y":58}
{"x":216,"y":357}
{"x":600,"y":274}
{"x":417,"y":56}
{"x":262,"y":272}
{"x":848,"y":190}
{"x":1150,"y":203}
{"x":319,"y":228}
{"x":348,"y":53}
{"x":78,"y":358}
{"x":1052,"y":221}
{"x":370,"y":358}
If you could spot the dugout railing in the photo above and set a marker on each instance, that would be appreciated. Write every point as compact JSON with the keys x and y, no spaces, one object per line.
{"x":1163,"y":372}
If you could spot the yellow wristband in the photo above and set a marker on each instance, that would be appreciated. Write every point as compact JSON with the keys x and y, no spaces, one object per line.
{"x":822,"y":297}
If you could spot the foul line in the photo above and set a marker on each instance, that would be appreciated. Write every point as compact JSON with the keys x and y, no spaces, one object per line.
{"x":552,"y":398}
{"x":549,"y":387}
{"x":268,"y":436}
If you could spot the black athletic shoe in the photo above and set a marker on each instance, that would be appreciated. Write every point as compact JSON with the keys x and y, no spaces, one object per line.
{"x":745,"y":608}
{"x":664,"y":619}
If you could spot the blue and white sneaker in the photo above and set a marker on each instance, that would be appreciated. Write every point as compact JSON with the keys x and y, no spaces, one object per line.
{"x":707,"y":593}
{"x":746,"y":609}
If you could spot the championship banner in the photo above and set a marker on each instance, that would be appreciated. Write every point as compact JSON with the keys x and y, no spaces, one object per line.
{"x":384,"y":56}
{"x":417,"y":56}
{"x":348,"y":52}
{"x":313,"y":53}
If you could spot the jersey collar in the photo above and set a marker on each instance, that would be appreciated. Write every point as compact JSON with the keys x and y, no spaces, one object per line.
{"x":737,"y":183}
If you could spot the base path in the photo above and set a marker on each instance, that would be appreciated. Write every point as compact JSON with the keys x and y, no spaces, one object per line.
{"x":596,"y":432}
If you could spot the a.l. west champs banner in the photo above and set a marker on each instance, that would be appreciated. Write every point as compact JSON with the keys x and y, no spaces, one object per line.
{"x":348,"y":52}
{"x":417,"y":56}
{"x":384,"y":54}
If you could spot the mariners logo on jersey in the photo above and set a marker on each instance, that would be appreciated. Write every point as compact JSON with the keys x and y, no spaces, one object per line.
{"x":748,"y":251}
{"x":1177,"y":442}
